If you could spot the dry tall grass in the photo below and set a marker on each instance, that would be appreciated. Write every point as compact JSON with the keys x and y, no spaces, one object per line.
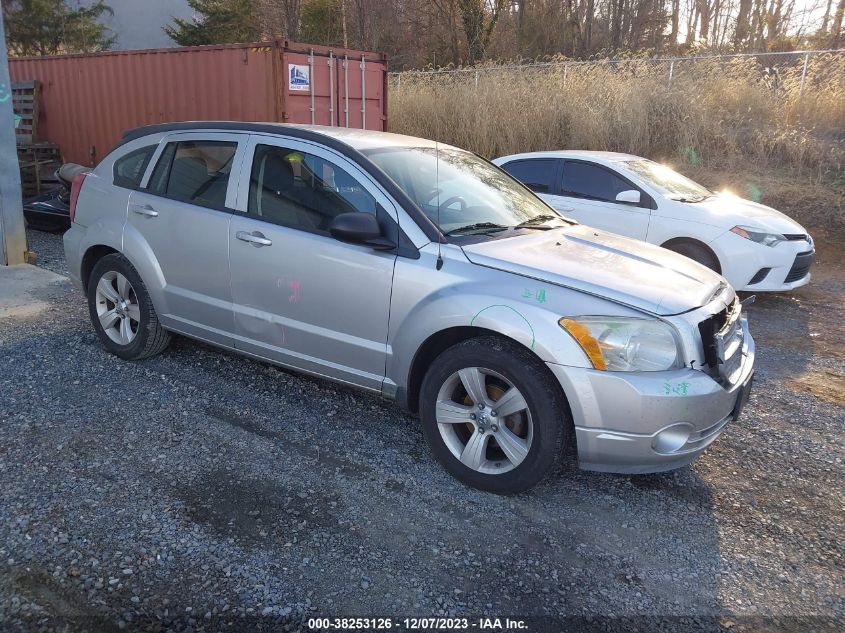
{"x":718,"y":114}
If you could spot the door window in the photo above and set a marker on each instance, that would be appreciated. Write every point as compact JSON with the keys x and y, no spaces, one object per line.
{"x":582,"y":180}
{"x":129,"y":170}
{"x":195,"y":172}
{"x":538,"y":174}
{"x":302,"y":190}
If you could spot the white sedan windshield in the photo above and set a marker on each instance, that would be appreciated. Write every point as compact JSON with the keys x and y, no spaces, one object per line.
{"x":667,"y":181}
{"x":458,"y":190}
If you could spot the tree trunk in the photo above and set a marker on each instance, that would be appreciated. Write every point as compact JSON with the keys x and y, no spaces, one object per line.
{"x":836,"y":28}
{"x":343,"y":23}
{"x":704,"y":11}
{"x":741,"y":31}
{"x":826,"y":17}
{"x":691,"y":26}
{"x":616,"y":24}
{"x":673,"y":36}
{"x":472,"y":16}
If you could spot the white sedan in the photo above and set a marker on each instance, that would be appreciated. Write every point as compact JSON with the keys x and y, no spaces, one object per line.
{"x":753,"y":246}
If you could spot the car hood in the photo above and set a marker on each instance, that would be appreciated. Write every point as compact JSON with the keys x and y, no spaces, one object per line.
{"x":627,"y":271}
{"x":727,"y":210}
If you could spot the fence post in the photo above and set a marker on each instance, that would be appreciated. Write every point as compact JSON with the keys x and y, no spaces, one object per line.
{"x":804,"y":72}
{"x":476,"y":80}
{"x":565,"y":68}
{"x":671,"y":70}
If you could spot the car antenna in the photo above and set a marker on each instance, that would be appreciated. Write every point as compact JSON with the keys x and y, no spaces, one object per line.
{"x":439,"y":264}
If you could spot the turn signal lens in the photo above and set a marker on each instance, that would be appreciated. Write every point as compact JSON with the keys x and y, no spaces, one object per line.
{"x":587,"y":341}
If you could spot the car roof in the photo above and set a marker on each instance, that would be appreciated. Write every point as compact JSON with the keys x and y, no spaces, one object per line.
{"x":357,"y":139}
{"x":610,"y":157}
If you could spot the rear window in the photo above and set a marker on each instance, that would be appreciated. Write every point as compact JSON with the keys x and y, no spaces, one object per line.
{"x":129,"y":170}
{"x":195,"y":172}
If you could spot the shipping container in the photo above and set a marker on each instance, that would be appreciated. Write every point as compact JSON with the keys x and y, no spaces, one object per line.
{"x":88,"y":101}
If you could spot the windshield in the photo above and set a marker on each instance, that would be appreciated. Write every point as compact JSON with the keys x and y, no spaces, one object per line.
{"x":473,"y":195}
{"x":667,"y":181}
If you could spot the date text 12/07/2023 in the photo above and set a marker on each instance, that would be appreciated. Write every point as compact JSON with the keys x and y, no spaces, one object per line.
{"x":418,"y":624}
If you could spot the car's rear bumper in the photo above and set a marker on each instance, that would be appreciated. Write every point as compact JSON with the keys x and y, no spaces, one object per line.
{"x":644,"y":422}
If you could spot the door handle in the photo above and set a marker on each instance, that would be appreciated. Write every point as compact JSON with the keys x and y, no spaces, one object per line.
{"x":564,"y":209}
{"x":255,"y":238}
{"x":144,"y":209}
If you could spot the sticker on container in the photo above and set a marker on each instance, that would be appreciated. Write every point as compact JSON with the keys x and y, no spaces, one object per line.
{"x":299,"y":77}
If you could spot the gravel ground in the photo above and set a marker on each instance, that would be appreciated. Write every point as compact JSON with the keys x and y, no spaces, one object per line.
{"x":203,"y":491}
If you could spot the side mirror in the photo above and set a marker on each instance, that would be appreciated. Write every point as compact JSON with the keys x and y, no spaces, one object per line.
{"x":632,"y":196}
{"x":359,"y":228}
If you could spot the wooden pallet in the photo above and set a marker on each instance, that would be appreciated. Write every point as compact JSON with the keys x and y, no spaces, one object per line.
{"x":38,"y":163}
{"x":25,"y":99}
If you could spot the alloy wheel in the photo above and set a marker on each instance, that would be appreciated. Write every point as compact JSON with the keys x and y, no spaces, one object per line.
{"x":484,"y":420}
{"x":117,"y":307}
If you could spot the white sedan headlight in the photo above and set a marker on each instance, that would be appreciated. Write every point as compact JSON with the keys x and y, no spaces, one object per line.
{"x":625,"y":343}
{"x":761,"y":237}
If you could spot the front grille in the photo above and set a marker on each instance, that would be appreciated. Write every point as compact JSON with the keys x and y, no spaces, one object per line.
{"x":796,"y":237}
{"x":722,"y":337}
{"x":801,"y":266}
{"x":707,"y":329}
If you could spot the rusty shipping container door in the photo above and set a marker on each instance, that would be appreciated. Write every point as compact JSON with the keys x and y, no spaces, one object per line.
{"x":326,"y":86}
{"x":88,"y":101}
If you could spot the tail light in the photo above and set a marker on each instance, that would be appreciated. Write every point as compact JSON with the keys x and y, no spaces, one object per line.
{"x":75,"y":188}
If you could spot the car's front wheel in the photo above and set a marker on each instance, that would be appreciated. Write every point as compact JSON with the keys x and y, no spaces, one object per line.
{"x":122,"y":312}
{"x":493,"y":416}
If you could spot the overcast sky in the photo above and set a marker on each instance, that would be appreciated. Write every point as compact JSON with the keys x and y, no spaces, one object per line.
{"x":138,"y":23}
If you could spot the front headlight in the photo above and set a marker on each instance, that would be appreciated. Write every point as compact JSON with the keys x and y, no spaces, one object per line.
{"x":769,"y":239}
{"x":624,"y":343}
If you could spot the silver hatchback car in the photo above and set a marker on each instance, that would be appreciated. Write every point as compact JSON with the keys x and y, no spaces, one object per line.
{"x":420,"y":272}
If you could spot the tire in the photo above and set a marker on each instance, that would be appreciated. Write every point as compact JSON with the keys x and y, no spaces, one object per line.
{"x":536,"y":437}
{"x":698,"y":253}
{"x":118,"y":298}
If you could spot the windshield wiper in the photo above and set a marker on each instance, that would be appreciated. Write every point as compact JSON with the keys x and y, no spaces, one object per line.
{"x":540,"y":219}
{"x":483,"y":227}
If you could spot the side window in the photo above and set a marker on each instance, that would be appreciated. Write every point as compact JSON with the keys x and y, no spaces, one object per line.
{"x":582,"y":180}
{"x":129,"y":170}
{"x":195,"y":172}
{"x":302,"y":190}
{"x":538,"y":174}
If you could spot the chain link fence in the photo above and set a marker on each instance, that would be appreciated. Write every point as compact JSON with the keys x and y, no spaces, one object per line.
{"x":774,"y":68}
{"x":775,"y":109}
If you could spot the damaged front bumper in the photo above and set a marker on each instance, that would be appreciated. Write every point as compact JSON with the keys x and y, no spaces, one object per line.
{"x":646,"y":422}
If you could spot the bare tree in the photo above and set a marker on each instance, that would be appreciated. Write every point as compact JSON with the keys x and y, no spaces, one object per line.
{"x":836,"y":27}
{"x":278,"y":18}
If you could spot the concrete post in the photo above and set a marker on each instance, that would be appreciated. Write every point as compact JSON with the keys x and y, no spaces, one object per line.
{"x":12,"y":233}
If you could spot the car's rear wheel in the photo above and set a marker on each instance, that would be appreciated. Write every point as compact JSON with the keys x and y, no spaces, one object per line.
{"x":698,"y":253}
{"x":121,"y":310}
{"x":493,"y":416}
